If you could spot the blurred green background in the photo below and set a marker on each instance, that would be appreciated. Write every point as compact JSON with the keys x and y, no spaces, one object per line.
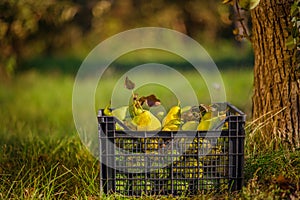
{"x":42,"y":45}
{"x":54,"y":36}
{"x":51,"y":38}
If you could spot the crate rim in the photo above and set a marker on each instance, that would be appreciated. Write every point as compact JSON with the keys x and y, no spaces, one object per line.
{"x":241,"y":113}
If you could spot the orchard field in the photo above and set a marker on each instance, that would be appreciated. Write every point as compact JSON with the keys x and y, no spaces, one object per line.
{"x":42,"y":156}
{"x":42,"y":46}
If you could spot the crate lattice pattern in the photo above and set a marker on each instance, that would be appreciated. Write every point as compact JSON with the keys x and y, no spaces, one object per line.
{"x":180,"y":162}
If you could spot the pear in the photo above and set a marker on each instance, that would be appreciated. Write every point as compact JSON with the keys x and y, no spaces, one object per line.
{"x":150,"y":144}
{"x":160,"y":171}
{"x":194,"y":168}
{"x":207,"y":183}
{"x":189,"y":168}
{"x":142,"y":120}
{"x":222,"y":166}
{"x":107,"y":111}
{"x":120,"y":112}
{"x":146,"y":121}
{"x":121,"y":183}
{"x":142,"y":186}
{"x":174,"y":113}
{"x":173,"y":125}
{"x":208,"y":124}
{"x":172,"y":121}
{"x":190,"y":125}
{"x":204,"y":125}
{"x":180,"y":186}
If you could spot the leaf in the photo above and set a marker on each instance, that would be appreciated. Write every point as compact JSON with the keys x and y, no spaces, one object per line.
{"x":235,"y":31}
{"x":290,"y":43}
{"x":281,"y":179}
{"x":244,"y":4}
{"x":239,"y":37}
{"x":203,"y":109}
{"x":254,"y":3}
{"x":248,"y":4}
{"x":190,"y":113}
{"x":295,"y":9}
{"x":228,"y":2}
{"x":150,"y":100}
{"x":129,"y":84}
{"x":283,"y":182}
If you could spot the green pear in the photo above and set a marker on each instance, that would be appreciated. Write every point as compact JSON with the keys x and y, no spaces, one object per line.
{"x":120,"y":112}
{"x":190,"y":126}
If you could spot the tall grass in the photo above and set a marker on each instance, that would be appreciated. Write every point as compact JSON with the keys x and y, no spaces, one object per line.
{"x":39,"y":147}
{"x":42,"y":156}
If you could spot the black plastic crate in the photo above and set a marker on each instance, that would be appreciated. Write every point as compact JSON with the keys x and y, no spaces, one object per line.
{"x":172,"y":162}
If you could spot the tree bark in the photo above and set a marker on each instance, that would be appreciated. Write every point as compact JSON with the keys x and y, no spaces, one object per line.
{"x":276,"y":99}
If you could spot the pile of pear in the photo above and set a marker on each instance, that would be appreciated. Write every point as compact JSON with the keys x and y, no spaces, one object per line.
{"x":188,"y":118}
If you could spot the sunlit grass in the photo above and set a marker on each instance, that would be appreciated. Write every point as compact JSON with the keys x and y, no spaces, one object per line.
{"x":42,"y":155}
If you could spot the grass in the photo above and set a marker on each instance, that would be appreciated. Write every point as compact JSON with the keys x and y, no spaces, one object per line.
{"x":42,"y":156}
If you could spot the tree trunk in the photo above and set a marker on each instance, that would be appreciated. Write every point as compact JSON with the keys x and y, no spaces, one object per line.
{"x":276,"y":99}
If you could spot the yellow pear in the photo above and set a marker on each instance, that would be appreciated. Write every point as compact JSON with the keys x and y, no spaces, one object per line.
{"x":172,"y":121}
{"x":207,"y":116}
{"x":174,"y":113}
{"x":107,"y":111}
{"x":208,"y":124}
{"x":146,"y":121}
{"x":173,"y":125}
{"x":204,"y":125}
{"x":143,"y":119}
